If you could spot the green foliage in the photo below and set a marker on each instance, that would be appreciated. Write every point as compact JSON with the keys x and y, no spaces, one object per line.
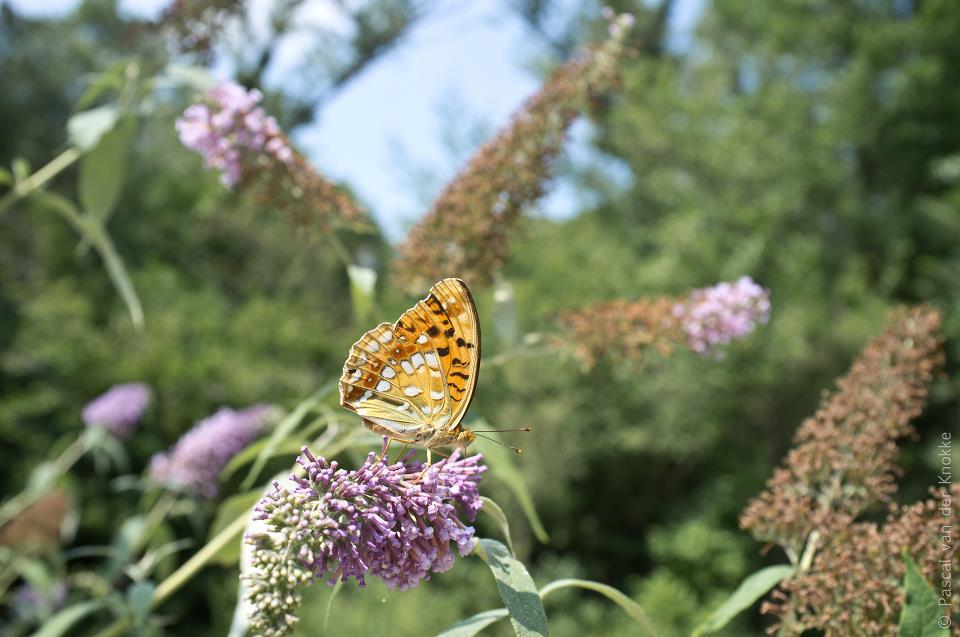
{"x":747,"y":594}
{"x":921,"y":616}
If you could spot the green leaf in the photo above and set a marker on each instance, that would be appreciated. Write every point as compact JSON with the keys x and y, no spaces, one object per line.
{"x":922,"y":615}
{"x":232,"y":508}
{"x":6,"y":177}
{"x":629,"y":606}
{"x":517,"y":590}
{"x":85,"y":129}
{"x":363,"y":283}
{"x":61,"y":623}
{"x":506,"y":471}
{"x":102,"y":170}
{"x":750,"y":590}
{"x":282,"y":431}
{"x":140,"y":596}
{"x":493,"y":510}
{"x":472,"y":625}
{"x":110,"y":78}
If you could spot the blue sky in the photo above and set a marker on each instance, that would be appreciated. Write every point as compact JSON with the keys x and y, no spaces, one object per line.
{"x":465,"y":67}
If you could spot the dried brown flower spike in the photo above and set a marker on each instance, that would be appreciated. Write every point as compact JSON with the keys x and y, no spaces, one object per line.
{"x":465,"y":232}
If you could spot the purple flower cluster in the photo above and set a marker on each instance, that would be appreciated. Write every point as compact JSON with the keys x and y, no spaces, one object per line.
{"x":718,"y":314}
{"x":195,"y":461}
{"x":385,"y":520}
{"x":230,"y":130}
{"x":119,"y":409}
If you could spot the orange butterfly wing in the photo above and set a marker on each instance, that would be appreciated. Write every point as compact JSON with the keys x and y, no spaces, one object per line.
{"x":414,"y":380}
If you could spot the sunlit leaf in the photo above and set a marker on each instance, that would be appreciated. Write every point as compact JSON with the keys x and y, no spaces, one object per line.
{"x":629,"y":606}
{"x":85,"y":129}
{"x":473,"y":625}
{"x":750,"y":590}
{"x":363,"y":283}
{"x":517,"y":590}
{"x":922,"y":615}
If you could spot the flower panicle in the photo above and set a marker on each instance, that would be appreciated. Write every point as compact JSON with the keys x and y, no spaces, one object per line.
{"x":854,"y":585}
{"x":701,"y":321}
{"x":119,"y":409}
{"x":194,"y":462}
{"x":234,"y":135}
{"x":465,"y":233}
{"x":394,"y":521}
{"x":842,"y":461}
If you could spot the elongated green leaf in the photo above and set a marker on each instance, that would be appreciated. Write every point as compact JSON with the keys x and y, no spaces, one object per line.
{"x":922,"y":615}
{"x":629,"y":606}
{"x":493,"y":510}
{"x":472,"y":625}
{"x":102,"y":171}
{"x":283,"y":430}
{"x":139,"y":597}
{"x":506,"y":470}
{"x":232,"y":508}
{"x":62,"y":622}
{"x":750,"y":590}
{"x":517,"y":590}
{"x":87,"y":127}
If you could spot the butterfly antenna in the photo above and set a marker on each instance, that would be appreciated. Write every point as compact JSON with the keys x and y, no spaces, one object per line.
{"x":502,"y":444}
{"x":486,"y":431}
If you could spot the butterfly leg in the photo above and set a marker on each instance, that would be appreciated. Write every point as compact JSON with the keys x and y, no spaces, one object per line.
{"x":429,"y":459}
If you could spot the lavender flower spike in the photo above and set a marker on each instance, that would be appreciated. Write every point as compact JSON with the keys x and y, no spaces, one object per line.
{"x":194,"y":463}
{"x":716,"y":315}
{"x":119,"y":409}
{"x":338,"y":524}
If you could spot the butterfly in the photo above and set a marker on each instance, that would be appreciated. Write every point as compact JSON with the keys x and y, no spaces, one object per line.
{"x":413,"y":381}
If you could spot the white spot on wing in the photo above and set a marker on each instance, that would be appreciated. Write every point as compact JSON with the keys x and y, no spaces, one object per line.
{"x":435,"y":373}
{"x":373,"y":346}
{"x":383,"y":386}
{"x":432,"y":359}
{"x":388,"y":372}
{"x":436,"y":395}
{"x":422,"y":339}
{"x":386,"y":337}
{"x":412,"y":390}
{"x":417,"y":360}
{"x":407,"y":367}
{"x":356,"y":375}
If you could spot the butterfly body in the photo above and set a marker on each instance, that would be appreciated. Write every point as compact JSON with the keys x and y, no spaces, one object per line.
{"x":413,"y":380}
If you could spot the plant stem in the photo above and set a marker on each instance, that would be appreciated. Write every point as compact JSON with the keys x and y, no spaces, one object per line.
{"x":40,"y":177}
{"x":182,"y":575}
